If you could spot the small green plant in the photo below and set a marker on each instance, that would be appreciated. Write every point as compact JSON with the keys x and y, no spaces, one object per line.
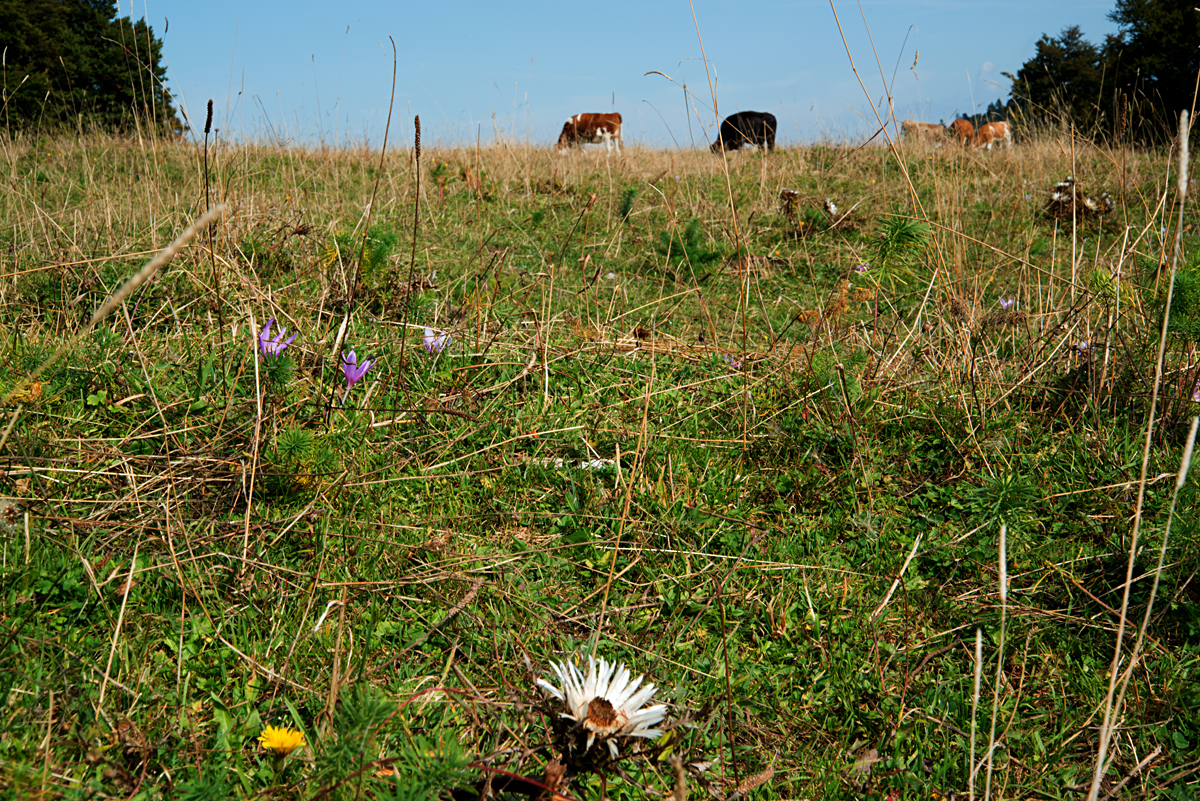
{"x":343,"y":248}
{"x":1006,"y":498}
{"x":687,"y":245}
{"x":1185,"y":302}
{"x":628,"y":197}
{"x":429,"y":768}
{"x":294,"y":444}
{"x":901,"y":241}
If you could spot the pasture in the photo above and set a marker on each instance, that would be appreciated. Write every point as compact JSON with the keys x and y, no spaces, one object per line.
{"x":749,"y":424}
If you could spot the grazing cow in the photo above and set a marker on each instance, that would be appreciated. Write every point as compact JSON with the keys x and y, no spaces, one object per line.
{"x":993,"y":132}
{"x":929,"y":131}
{"x":593,"y":128}
{"x":962,"y":131}
{"x":746,"y":128}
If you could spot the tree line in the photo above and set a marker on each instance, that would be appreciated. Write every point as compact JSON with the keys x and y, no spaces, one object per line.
{"x":1130,"y":87}
{"x":75,"y":64}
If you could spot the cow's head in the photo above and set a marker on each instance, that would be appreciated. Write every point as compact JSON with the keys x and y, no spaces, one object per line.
{"x":963,"y":131}
{"x":567,"y":137}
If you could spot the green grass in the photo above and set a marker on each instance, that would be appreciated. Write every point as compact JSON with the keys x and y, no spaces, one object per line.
{"x":706,"y":444}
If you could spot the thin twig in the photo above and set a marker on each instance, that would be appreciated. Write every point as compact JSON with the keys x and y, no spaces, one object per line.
{"x":895,"y":583}
{"x":1003,"y":562}
{"x":126,"y":590}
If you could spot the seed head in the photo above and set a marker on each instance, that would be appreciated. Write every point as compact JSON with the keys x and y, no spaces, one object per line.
{"x":10,"y":513}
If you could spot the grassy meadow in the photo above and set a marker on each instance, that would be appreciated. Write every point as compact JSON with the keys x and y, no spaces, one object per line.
{"x":686,"y":416}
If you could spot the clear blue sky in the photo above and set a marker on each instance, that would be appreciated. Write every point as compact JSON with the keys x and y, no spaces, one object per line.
{"x":309,"y":71}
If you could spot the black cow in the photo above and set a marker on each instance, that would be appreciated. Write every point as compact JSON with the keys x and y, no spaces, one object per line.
{"x":746,"y":128}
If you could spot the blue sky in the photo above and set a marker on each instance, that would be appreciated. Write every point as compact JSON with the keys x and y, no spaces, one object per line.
{"x":306,"y":72}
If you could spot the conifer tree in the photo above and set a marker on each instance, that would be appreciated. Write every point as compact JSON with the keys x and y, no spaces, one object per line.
{"x":1133,"y":85}
{"x":75,"y":63}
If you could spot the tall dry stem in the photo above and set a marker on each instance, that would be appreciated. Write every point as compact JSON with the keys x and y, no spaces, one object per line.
{"x":1111,"y":705}
{"x":1003,"y":564}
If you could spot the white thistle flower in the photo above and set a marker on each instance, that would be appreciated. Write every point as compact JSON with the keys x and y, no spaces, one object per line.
{"x":606,"y":702}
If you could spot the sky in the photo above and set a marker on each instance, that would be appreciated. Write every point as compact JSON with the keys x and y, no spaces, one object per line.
{"x":311,"y":73}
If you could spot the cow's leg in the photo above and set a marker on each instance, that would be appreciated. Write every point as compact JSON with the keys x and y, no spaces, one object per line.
{"x":606,"y":138}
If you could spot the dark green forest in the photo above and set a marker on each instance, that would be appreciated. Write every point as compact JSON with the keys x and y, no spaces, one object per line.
{"x":1129,"y":87}
{"x":76,"y":64}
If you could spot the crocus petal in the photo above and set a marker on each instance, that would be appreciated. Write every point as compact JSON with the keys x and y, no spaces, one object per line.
{"x":351,"y":369}
{"x":265,"y":336}
{"x":435,"y":342}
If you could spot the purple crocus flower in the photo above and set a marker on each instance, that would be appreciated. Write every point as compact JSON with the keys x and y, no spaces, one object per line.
{"x":435,"y":343}
{"x":1196,"y":393}
{"x":273,"y":346}
{"x":1007,"y":303}
{"x":353,"y":370}
{"x":861,"y":267}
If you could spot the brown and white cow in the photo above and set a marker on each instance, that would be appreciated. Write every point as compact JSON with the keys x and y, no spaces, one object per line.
{"x":929,"y":131}
{"x":998,"y":132}
{"x":962,"y":131}
{"x":591,"y":128}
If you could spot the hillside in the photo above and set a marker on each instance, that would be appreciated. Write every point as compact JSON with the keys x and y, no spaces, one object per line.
{"x":750,"y":426}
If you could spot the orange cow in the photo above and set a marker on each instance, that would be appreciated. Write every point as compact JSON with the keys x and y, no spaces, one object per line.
{"x":922,"y":130}
{"x":993,"y":132}
{"x":963,"y":131}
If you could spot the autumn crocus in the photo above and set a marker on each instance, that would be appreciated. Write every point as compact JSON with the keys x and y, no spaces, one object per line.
{"x":1007,"y":303}
{"x":435,"y":343}
{"x":353,"y":371}
{"x":273,"y":346}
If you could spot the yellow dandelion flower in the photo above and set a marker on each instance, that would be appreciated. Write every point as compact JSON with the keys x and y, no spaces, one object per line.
{"x":282,"y":740}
